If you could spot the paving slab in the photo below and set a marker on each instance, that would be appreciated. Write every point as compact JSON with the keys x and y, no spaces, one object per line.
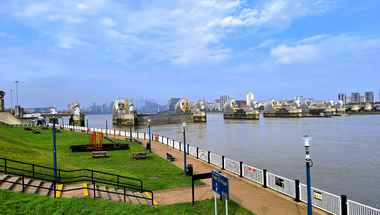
{"x":246,"y":193}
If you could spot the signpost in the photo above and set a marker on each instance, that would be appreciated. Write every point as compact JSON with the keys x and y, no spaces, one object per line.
{"x":221,"y":186}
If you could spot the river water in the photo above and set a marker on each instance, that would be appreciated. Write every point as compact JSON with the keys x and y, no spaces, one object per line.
{"x":345,"y":150}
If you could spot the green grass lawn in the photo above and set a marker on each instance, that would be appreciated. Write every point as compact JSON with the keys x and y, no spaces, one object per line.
{"x":19,"y":144}
{"x":18,"y":203}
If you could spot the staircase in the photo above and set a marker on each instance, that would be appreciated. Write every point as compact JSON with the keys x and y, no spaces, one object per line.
{"x":83,"y":190}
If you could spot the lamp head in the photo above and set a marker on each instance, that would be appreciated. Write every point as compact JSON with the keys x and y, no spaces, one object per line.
{"x":149,"y":120}
{"x":130,"y":118}
{"x":306,"y":138}
{"x":184,"y":124}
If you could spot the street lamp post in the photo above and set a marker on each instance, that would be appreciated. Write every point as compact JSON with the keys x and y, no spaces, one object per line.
{"x":106,"y":128}
{"x":150,"y":144}
{"x":17,"y":92}
{"x":55,"y":151}
{"x":87,"y":125}
{"x":130,"y":129}
{"x":11,"y":102}
{"x":184,"y":145}
{"x":306,"y":139}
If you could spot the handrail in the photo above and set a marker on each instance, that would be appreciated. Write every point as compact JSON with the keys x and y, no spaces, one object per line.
{"x":69,"y":171}
{"x":81,"y":188}
{"x":65,"y":180}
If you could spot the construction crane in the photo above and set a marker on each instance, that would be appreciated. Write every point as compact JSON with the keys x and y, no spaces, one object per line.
{"x":184,"y":107}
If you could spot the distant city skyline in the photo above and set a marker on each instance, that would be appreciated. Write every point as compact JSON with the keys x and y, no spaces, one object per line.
{"x":94,"y":51}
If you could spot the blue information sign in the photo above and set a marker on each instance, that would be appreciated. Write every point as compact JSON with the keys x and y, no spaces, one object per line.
{"x":221,"y":184}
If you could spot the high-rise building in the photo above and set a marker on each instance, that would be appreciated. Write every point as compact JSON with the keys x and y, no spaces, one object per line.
{"x":223,"y":100}
{"x":342,"y":97}
{"x":369,"y":97}
{"x":355,"y":97}
{"x":250,"y":98}
{"x":173,"y":102}
{"x":298,"y":98}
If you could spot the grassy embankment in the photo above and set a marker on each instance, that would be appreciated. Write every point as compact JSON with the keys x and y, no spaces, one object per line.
{"x":21,"y":145}
{"x":18,"y":144}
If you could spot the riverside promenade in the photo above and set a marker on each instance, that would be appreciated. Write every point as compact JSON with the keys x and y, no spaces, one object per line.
{"x":248,"y":194}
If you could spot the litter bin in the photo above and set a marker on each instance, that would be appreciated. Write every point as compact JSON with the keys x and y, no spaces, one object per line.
{"x":147,"y":145}
{"x":189,"y":170}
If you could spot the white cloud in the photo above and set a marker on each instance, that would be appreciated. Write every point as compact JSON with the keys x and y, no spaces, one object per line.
{"x":2,"y":34}
{"x":68,"y":42}
{"x":299,"y":53}
{"x":158,"y":31}
{"x":313,"y":38}
{"x":107,"y":22}
{"x":265,"y":43}
{"x":81,"y":6}
{"x":339,"y":48}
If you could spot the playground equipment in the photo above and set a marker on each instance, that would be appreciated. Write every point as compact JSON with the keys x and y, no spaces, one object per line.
{"x":114,"y":138}
{"x":95,"y":140}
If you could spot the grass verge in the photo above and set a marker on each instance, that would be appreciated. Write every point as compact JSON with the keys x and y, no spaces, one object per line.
{"x":18,"y":203}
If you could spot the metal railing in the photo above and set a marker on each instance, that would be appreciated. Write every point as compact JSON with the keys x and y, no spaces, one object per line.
{"x":90,"y":176}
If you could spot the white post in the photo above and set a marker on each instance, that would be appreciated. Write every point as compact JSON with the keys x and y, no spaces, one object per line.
{"x":226,"y":207}
{"x":216,"y":211}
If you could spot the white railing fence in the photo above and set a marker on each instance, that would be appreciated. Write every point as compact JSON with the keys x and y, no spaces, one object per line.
{"x":355,"y":208}
{"x":321,"y":199}
{"x":281,"y":184}
{"x":232,"y":166}
{"x":253,"y":173}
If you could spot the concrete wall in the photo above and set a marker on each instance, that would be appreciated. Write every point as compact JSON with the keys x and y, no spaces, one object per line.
{"x":9,"y":118}
{"x":165,"y":118}
{"x":199,"y":117}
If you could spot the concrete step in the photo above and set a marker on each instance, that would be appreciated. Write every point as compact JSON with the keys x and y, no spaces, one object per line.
{"x":10,"y":182}
{"x":33,"y":190}
{"x":45,"y":192}
{"x":132,"y":198}
{"x":18,"y":187}
{"x":91,"y":191}
{"x":103,"y":195}
{"x":2,"y":177}
{"x":142,"y":201}
{"x":121,"y":196}
{"x":113,"y":196}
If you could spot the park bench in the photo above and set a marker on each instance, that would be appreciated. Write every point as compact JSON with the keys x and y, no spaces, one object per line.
{"x":170,"y":157}
{"x":36,"y":132}
{"x":136,"y":155}
{"x":96,"y":154}
{"x":137,"y":141}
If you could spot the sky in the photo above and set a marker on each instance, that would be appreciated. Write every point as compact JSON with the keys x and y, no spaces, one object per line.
{"x":96,"y":50}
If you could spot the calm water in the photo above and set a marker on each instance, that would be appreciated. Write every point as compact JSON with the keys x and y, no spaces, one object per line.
{"x":345,"y":150}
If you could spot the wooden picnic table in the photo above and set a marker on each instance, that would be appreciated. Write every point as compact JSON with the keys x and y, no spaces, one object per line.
{"x":99,"y":154}
{"x":136,"y":155}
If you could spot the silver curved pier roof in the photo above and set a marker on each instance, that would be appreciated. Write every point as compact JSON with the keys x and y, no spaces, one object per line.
{"x":268,"y":106}
{"x":179,"y":105}
{"x":229,"y":105}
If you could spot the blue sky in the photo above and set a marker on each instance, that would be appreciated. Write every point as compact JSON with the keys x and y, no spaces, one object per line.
{"x":97,"y":50}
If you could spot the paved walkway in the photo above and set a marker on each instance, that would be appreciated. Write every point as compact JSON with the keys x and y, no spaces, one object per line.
{"x":246,"y":193}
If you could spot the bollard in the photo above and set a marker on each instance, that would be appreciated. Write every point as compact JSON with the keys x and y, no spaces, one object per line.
{"x":208,"y":157}
{"x":264,"y":178}
{"x":344,"y":204}
{"x":297,"y":189}
{"x":197,"y":152}
{"x":241,"y":169}
{"x":222,"y":162}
